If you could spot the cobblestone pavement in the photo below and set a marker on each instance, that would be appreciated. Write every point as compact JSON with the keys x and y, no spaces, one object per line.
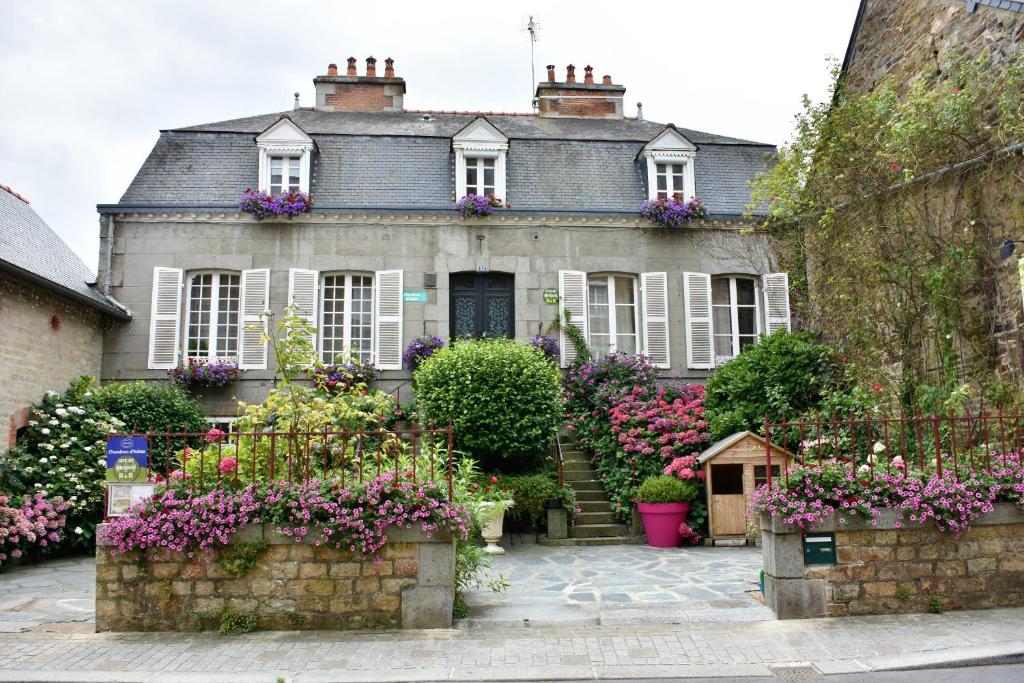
{"x":838,"y":645}
{"x":621,"y":584}
{"x":56,"y":595}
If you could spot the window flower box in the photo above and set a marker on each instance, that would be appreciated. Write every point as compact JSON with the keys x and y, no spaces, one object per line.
{"x":205,"y":373}
{"x":344,"y":377}
{"x":477,"y":205}
{"x":672,"y":213}
{"x":260,"y":205}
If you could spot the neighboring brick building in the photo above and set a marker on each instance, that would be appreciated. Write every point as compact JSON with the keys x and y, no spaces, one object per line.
{"x":383,"y":258}
{"x":904,"y":38}
{"x":52,"y":318}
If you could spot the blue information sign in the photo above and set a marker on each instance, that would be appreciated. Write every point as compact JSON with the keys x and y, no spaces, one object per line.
{"x":127,"y":458}
{"x":414,"y":297}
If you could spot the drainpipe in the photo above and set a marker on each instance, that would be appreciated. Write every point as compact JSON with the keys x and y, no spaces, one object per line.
{"x":107,"y":254}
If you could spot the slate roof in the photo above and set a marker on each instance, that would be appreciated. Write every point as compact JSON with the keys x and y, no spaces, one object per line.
{"x":30,"y":249}
{"x":404,"y":160}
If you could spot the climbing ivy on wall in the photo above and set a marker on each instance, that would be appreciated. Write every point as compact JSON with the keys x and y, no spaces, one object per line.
{"x":887,"y":209}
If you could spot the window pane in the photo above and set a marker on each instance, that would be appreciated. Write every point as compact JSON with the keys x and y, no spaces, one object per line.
{"x":599,"y":320}
{"x":747,"y":341}
{"x":660,"y":168}
{"x":677,"y":169}
{"x":722,"y":319}
{"x":332,"y":332}
{"x":599,"y":344}
{"x":626,"y":343}
{"x":723,"y":346}
{"x":624,"y":290}
{"x":293,"y":174}
{"x":471,"y":179}
{"x":677,"y":183}
{"x":662,"y":184}
{"x":598,"y":291}
{"x":489,"y":177}
{"x":625,"y":320}
{"x":744,"y":292}
{"x":720,"y":291}
{"x":745,"y":320}
{"x":276,"y":175}
{"x":488,"y":164}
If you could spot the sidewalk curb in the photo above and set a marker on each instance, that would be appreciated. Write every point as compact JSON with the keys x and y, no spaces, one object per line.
{"x":1011,"y":652}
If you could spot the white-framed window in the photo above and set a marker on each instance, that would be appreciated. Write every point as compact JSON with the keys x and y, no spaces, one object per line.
{"x":669,"y":158}
{"x":346,"y":317}
{"x":612,"y":314}
{"x":480,"y":151}
{"x":480,"y":175}
{"x":736,"y":316}
{"x":212,"y":315}
{"x":285,"y":174}
{"x":284,"y":157}
{"x":670,"y":180}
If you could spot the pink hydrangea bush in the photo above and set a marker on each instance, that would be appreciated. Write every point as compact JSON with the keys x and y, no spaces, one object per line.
{"x":29,"y":524}
{"x":355,"y":518}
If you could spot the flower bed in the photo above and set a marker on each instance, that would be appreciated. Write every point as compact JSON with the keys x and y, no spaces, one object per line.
{"x":476,"y":205}
{"x":672,"y":213}
{"x":262,"y":205}
{"x":202,"y":373}
{"x":633,"y":428}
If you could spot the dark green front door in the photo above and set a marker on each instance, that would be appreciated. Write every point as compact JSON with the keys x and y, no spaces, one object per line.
{"x":482,"y":304}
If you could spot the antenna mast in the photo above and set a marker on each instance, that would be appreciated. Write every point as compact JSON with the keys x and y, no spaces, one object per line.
{"x":531,"y":27}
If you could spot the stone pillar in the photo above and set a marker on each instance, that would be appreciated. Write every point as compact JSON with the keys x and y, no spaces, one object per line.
{"x":558,"y":523}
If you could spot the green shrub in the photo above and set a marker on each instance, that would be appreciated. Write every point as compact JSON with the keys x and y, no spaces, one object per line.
{"x":503,"y":398}
{"x":665,"y":489}
{"x":153,"y":407}
{"x":783,"y":374}
{"x":62,"y":453}
{"x":531,"y":492}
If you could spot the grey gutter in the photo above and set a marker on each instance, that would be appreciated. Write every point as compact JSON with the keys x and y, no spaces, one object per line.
{"x":231,"y":208}
{"x":114,"y":311}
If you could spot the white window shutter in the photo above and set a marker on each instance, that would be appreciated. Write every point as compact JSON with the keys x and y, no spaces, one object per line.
{"x":699,"y":326}
{"x":654,"y":293}
{"x":252,"y":350}
{"x":572,"y":293}
{"x":302,"y":295}
{"x":776,"y":302}
{"x":387,"y":320}
{"x":165,"y":318}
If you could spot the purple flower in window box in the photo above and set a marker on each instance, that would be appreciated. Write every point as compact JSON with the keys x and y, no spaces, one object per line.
{"x":672,"y":213}
{"x":420,"y":349}
{"x":344,"y":377}
{"x":260,"y":205}
{"x":205,"y":373}
{"x":477,"y":205}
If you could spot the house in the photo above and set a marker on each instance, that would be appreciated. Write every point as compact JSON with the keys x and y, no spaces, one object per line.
{"x":52,"y":316}
{"x":383,"y":257}
{"x":902,"y":39}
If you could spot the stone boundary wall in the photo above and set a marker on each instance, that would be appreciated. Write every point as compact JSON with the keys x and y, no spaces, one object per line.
{"x":882,"y":569}
{"x":293,"y":586}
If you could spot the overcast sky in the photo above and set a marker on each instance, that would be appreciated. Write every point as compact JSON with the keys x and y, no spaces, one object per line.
{"x":86,"y":85}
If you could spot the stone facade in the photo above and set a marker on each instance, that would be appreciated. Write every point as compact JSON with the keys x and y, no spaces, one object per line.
{"x":534,"y":249}
{"x":47,"y":340}
{"x":291,"y":587}
{"x":891,"y":568}
{"x":901,"y":39}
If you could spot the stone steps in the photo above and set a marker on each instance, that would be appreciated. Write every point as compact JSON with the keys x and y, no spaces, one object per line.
{"x":589,"y":506}
{"x":596,"y":496}
{"x":604,"y":516}
{"x":596,"y":524}
{"x":586,"y":485}
{"x":574,"y":476}
{"x":598,"y":530}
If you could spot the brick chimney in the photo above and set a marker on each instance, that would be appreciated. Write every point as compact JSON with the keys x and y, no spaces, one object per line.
{"x":586,"y":100}
{"x":352,"y":92}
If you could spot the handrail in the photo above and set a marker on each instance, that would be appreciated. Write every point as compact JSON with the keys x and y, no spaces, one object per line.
{"x":560,"y":461}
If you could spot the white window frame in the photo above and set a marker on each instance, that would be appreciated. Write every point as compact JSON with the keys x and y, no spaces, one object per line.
{"x":211,"y":335}
{"x":480,"y":140}
{"x":612,"y":306}
{"x":670,"y":147}
{"x":670,"y":177}
{"x":284,"y":139}
{"x":479,"y":164}
{"x":347,"y":314}
{"x":734,"y":313}
{"x":286,"y":175}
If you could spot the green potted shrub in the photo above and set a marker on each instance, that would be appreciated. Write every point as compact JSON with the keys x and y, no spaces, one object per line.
{"x":663,"y":503}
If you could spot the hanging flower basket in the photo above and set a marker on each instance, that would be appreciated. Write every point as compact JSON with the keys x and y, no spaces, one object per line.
{"x":672,"y":213}
{"x":476,"y":205}
{"x":344,"y":377}
{"x":262,"y":205}
{"x":420,"y":349}
{"x":203,"y":373}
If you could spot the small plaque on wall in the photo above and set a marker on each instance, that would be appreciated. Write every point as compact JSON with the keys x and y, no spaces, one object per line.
{"x":551,"y":296}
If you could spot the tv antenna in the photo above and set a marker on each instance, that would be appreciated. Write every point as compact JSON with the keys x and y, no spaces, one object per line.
{"x":531,"y":27}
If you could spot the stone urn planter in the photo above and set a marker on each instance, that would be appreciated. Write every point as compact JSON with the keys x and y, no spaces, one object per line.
{"x":492,"y":514}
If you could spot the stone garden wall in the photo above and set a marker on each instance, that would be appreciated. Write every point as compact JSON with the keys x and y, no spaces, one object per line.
{"x":291,"y":586}
{"x":884,"y":569}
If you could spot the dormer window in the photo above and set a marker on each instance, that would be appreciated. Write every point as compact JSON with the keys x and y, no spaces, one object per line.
{"x":285,"y":152}
{"x":669,"y":159}
{"x":480,"y":151}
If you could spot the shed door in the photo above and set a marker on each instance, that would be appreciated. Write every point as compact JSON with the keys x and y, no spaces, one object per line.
{"x":728,"y":507}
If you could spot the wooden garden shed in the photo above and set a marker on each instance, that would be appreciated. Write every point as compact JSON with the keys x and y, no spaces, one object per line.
{"x":733,"y":468}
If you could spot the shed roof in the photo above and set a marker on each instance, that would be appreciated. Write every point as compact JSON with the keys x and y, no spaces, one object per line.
{"x":731,"y":440}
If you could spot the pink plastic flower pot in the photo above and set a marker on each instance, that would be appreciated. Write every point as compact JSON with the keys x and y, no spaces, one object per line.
{"x":661,"y":523}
